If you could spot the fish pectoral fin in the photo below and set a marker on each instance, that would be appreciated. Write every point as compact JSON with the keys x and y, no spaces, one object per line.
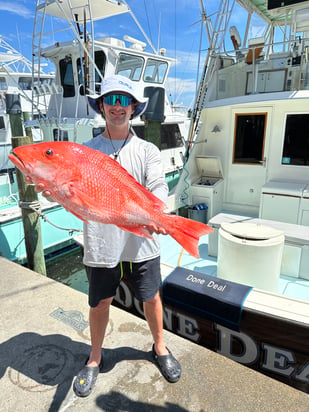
{"x":80,"y":199}
{"x":137,"y":230}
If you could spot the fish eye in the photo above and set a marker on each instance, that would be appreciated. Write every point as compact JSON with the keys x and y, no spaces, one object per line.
{"x":49,"y":153}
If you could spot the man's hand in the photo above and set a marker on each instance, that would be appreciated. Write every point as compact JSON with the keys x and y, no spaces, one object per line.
{"x":152,"y":228}
{"x":40,"y":188}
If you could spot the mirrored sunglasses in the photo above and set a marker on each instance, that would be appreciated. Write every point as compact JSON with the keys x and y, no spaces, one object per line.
{"x":111,"y":99}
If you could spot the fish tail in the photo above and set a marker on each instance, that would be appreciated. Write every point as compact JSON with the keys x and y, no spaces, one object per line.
{"x":186,"y":232}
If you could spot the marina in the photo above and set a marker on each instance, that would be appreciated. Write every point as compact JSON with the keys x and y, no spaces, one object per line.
{"x":239,"y":164}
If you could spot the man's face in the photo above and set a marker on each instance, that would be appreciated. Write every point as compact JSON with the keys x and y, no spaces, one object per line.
{"x":117,"y":111}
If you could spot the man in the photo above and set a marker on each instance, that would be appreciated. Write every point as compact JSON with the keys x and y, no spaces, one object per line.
{"x":107,"y":246}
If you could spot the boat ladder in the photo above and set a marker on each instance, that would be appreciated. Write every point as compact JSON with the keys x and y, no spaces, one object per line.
{"x":215,"y":33}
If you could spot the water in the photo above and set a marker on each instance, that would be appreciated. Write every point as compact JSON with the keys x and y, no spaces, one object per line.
{"x":69,"y":270}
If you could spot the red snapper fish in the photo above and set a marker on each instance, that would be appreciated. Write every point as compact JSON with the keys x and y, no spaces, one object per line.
{"x":93,"y":186}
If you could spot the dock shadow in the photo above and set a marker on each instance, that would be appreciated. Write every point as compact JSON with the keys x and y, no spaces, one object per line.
{"x":37,"y":363}
{"x":116,"y":401}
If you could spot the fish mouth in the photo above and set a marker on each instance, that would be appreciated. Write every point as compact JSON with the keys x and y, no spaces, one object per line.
{"x":17,"y":161}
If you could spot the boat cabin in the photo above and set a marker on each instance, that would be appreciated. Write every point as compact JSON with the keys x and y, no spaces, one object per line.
{"x":252,"y":113}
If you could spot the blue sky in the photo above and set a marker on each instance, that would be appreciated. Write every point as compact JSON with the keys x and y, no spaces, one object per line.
{"x":171,"y":24}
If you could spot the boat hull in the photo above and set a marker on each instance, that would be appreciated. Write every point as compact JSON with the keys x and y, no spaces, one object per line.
{"x":273,"y":345}
{"x":55,"y":239}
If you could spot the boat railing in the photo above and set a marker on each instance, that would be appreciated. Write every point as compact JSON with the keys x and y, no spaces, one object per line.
{"x":45,"y":88}
{"x":261,"y":56}
{"x":53,"y":97}
{"x":80,"y":93}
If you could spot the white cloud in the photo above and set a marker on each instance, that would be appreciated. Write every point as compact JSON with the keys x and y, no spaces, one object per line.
{"x":181,"y":91}
{"x":16,"y":8}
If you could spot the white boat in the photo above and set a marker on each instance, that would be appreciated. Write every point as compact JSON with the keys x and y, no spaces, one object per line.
{"x":59,"y":108}
{"x":16,"y":79}
{"x":249,"y":167}
{"x":84,"y":60}
{"x":16,"y":96}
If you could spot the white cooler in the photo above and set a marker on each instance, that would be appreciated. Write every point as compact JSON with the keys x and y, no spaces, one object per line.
{"x":250,"y":254}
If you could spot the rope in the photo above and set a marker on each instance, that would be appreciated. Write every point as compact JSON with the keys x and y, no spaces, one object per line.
{"x":35,"y":206}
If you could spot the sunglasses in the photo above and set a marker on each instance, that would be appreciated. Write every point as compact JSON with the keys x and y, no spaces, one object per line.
{"x":112,"y":99}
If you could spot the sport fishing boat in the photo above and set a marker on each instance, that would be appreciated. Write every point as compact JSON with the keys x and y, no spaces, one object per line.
{"x":82,"y":60}
{"x":64,"y":39}
{"x":249,"y":165}
{"x":247,"y":175}
{"x":15,"y":96}
{"x":16,"y":79}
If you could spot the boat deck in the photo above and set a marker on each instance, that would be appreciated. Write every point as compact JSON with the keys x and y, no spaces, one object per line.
{"x":45,"y":344}
{"x":171,"y":254}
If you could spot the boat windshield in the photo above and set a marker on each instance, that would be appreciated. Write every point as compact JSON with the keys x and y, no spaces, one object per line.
{"x":130,"y":66}
{"x":155,"y":71}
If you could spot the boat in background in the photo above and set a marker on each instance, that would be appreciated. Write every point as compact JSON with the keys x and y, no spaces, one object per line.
{"x":16,"y":79}
{"x":84,"y":60}
{"x":60,"y":110}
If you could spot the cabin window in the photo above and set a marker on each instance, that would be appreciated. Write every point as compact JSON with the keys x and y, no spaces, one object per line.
{"x":249,"y":138}
{"x":129,"y":66}
{"x":46,"y":80}
{"x":170,"y":135}
{"x":3,"y":85}
{"x":60,"y":135}
{"x":25,"y":83}
{"x":296,"y":140}
{"x":100,"y":60}
{"x":83,"y":72}
{"x":155,"y":71}
{"x":66,"y":76}
{"x":42,"y":80}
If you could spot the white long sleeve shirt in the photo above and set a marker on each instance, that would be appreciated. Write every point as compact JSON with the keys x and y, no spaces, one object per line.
{"x":105,"y":245}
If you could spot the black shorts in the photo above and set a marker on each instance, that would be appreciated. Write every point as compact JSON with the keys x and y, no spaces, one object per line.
{"x":144,"y":279}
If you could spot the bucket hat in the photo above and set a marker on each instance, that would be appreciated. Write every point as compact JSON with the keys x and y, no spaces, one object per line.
{"x":117,"y":83}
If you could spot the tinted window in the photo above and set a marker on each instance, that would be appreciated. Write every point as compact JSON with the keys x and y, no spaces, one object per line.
{"x":296,"y":140}
{"x":249,"y":138}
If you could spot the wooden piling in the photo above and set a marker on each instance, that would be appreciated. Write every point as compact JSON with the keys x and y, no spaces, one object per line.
{"x":152,"y":132}
{"x":31,"y":220}
{"x":28,"y":130}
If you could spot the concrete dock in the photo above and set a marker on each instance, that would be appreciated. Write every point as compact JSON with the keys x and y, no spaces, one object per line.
{"x":44,"y":341}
